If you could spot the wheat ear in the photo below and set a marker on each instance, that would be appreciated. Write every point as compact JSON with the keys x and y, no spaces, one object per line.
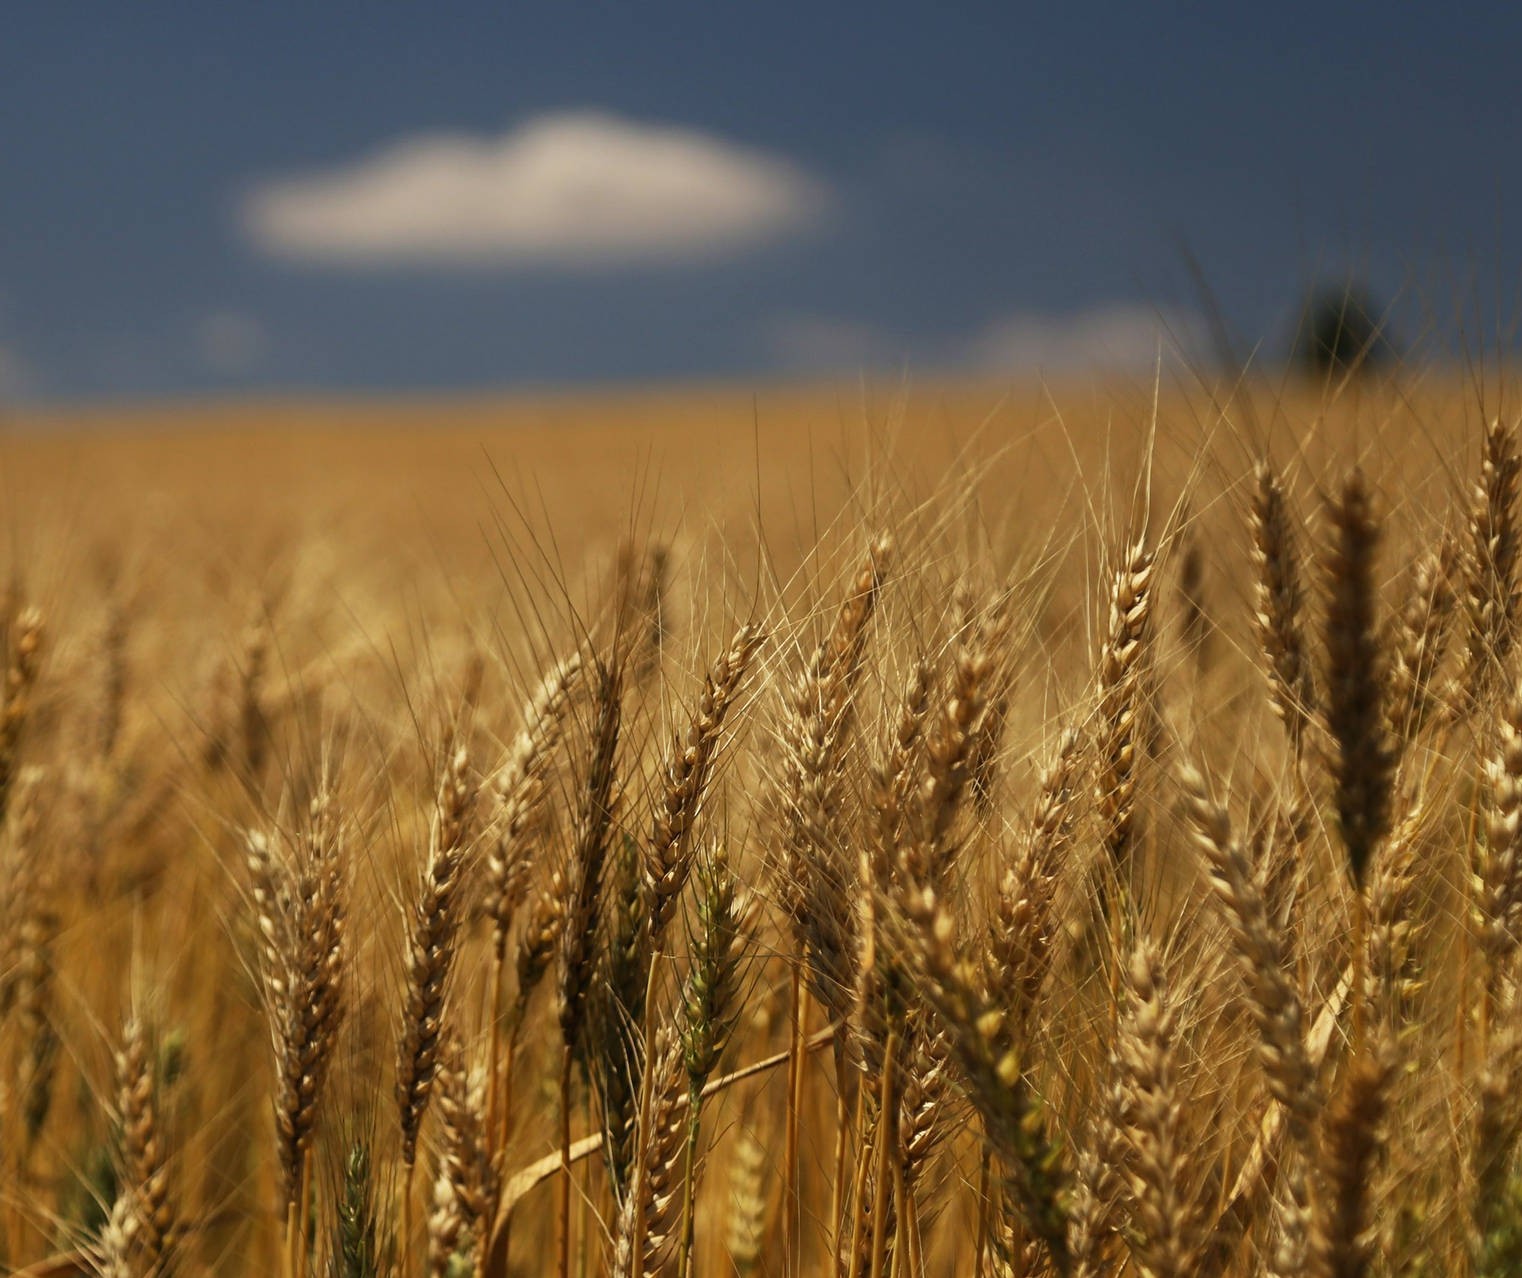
{"x":1490,"y":578}
{"x":1363,"y":762}
{"x":1340,"y":1242}
{"x":1496,"y":876}
{"x":1421,"y":640}
{"x":1122,"y":685}
{"x":518,"y":797}
{"x":686,"y":771}
{"x":518,"y":792}
{"x":1023,"y":927}
{"x":709,"y":997}
{"x":29,"y":926}
{"x":1150,"y":1110}
{"x":433,"y":930}
{"x":1278,"y":604}
{"x":949,"y":752}
{"x":358,"y":1248}
{"x":465,"y":1183}
{"x":1262,"y":954}
{"x":584,"y":891}
{"x":815,"y":877}
{"x":301,"y":904}
{"x":649,"y":1213}
{"x":1494,"y":1247}
{"x":987,"y":1045}
{"x":15,"y":704}
{"x":145,"y":1172}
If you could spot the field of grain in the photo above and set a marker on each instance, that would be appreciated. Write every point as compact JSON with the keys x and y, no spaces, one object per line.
{"x":939,"y":829}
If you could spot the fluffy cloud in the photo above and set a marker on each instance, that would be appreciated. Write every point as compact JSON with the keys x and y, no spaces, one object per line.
{"x":576,"y":189}
{"x":1122,"y":337}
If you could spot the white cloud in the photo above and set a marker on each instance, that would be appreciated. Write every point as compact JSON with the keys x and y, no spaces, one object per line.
{"x":1119,"y":337}
{"x":230,"y":342}
{"x":571,"y":189}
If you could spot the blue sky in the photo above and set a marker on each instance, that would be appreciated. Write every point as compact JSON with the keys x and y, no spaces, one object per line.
{"x":236,"y":198}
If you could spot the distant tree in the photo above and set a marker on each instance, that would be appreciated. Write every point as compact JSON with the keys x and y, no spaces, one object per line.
{"x":1341,"y":331}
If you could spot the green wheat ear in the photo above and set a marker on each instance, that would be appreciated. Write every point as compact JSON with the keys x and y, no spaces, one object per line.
{"x":173,"y":1057}
{"x":93,"y":1191}
{"x":1499,"y":1249}
{"x":356,"y":1247}
{"x":98,"y":1180}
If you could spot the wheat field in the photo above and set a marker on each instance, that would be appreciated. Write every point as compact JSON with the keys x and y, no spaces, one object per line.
{"x":935,"y":829}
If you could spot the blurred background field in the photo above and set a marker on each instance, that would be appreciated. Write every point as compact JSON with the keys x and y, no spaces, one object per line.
{"x":373,"y":528}
{"x":431,"y":475}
